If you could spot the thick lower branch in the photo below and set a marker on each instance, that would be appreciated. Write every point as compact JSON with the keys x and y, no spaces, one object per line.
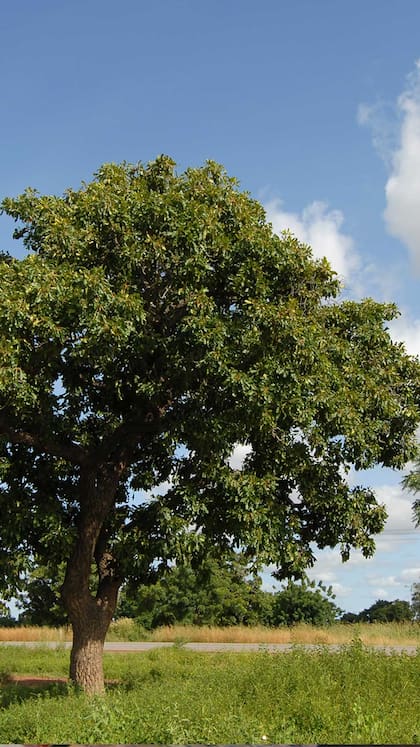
{"x":69,"y":451}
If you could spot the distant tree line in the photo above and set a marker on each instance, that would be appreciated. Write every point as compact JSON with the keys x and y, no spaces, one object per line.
{"x":383,"y":611}
{"x":225,"y":593}
{"x":215,"y":592}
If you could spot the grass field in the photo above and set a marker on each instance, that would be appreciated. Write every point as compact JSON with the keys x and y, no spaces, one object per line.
{"x":176,"y":696}
{"x":125,"y":629}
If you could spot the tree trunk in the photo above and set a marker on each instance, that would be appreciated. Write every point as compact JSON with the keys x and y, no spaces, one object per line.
{"x":86,"y":659}
{"x":90,"y":615}
{"x":90,"y":618}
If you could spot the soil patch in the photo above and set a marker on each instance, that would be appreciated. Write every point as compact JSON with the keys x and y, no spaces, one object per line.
{"x":29,"y":680}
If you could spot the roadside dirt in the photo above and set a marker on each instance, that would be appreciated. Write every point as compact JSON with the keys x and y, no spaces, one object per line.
{"x":30,"y":681}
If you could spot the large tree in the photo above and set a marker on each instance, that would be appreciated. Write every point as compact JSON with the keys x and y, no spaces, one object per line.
{"x":156,"y":322}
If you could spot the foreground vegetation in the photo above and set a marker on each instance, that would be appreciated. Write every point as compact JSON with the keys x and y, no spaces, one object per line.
{"x":125,"y":629}
{"x":178,"y":696}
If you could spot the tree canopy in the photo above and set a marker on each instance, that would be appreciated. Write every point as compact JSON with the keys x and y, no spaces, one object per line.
{"x":383,"y":611}
{"x":155,"y":323}
{"x":304,"y":603}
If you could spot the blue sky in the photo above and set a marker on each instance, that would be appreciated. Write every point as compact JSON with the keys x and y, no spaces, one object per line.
{"x":314,"y":106}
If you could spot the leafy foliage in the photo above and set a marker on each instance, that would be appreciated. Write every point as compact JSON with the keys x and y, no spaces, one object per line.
{"x":222,"y":593}
{"x":304,"y":603}
{"x":156,"y":322}
{"x":217,"y":592}
{"x":40,"y":602}
{"x":5,"y":615}
{"x":383,"y":611}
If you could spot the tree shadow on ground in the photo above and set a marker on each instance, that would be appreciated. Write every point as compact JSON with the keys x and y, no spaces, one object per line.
{"x":15,"y":690}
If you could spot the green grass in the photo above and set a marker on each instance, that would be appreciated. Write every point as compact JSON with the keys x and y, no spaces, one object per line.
{"x":176,"y":696}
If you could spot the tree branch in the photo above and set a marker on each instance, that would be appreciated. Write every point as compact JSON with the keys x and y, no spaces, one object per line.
{"x":70,"y":451}
{"x":119,"y":445}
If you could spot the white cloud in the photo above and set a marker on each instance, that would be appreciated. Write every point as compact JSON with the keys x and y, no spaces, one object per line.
{"x":320,"y":227}
{"x":383,"y":545}
{"x":340,"y":589}
{"x":400,"y":514}
{"x":398,"y":537}
{"x":381,"y":593}
{"x":330,"y":569}
{"x":402,"y":215}
{"x":406,"y":331}
{"x":411,"y":574}
{"x":394,"y":585}
{"x":383,"y":581}
{"x":162,"y":488}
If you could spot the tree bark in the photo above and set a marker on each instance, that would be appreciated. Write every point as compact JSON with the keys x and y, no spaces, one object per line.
{"x":90,"y":615}
{"x":86,"y":659}
{"x":90,"y":618}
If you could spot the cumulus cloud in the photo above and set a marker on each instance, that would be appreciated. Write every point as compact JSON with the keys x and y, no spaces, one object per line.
{"x":381,"y":592}
{"x":330,"y":569}
{"x":340,"y":589}
{"x":411,"y":574}
{"x":402,"y":214}
{"x":407,"y":331}
{"x":390,"y":571}
{"x":384,"y":581}
{"x":399,"y":508}
{"x":321,"y":228}
{"x":394,"y":585}
{"x":162,"y":488}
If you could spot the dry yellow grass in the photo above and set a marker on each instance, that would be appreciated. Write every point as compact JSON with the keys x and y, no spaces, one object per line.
{"x":380,"y":634}
{"x":234,"y":634}
{"x":374,"y":634}
{"x":35,"y":633}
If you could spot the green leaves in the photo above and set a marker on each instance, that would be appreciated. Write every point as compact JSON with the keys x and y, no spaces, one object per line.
{"x":304,"y":603}
{"x":156,"y":309}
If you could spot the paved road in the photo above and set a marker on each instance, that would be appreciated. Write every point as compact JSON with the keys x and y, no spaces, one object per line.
{"x":280,"y":648}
